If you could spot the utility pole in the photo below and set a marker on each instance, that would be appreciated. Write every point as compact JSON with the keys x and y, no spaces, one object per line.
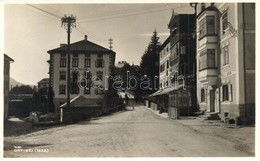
{"x":68,"y":22}
{"x":110,"y":43}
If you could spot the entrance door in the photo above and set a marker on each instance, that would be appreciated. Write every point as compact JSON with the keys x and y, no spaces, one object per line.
{"x":212,"y":101}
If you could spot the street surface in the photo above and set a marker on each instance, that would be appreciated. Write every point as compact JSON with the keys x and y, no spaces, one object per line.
{"x":131,"y":133}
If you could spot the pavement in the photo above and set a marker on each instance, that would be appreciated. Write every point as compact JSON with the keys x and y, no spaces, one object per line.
{"x":243,"y":135}
{"x":135,"y":132}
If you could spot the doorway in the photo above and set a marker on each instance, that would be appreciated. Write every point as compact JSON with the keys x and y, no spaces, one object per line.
{"x":212,"y":101}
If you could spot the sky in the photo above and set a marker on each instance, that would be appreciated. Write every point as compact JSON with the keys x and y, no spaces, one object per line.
{"x":30,"y":30}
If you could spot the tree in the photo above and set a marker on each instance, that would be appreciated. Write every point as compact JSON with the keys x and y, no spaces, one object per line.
{"x":23,"y":89}
{"x":50,"y":100}
{"x":150,"y":62}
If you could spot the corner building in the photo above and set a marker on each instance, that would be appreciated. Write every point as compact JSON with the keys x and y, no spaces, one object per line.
{"x":226,"y":60}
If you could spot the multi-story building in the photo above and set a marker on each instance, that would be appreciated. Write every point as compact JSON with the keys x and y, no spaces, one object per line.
{"x":7,"y":61}
{"x":226,"y":60}
{"x":88,"y":60}
{"x":177,"y":92}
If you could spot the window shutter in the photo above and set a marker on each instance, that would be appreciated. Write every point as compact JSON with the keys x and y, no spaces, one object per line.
{"x":221,"y":94}
{"x":96,"y":63}
{"x":230,"y":97}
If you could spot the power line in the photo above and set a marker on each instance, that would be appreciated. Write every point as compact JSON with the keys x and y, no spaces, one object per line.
{"x":52,"y":14}
{"x":133,"y":14}
{"x":84,"y":31}
{"x":112,"y":14}
{"x":55,"y":10}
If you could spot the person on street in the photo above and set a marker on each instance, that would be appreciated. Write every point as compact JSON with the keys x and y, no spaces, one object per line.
{"x":126,"y":99}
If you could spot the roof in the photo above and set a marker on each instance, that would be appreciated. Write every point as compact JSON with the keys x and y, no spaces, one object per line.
{"x":8,"y":58}
{"x":81,"y":102}
{"x":210,"y":8}
{"x":44,"y":80}
{"x":165,"y":43}
{"x":84,"y":46}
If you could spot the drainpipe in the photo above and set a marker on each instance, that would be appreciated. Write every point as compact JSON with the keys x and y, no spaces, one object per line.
{"x":244,"y":61}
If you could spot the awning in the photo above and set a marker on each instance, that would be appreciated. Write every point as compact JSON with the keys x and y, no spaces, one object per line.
{"x":81,"y":102}
{"x":163,"y":91}
{"x":156,"y":93}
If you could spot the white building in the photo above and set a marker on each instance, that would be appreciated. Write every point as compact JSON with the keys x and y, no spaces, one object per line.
{"x":88,"y":60}
{"x":226,"y":60}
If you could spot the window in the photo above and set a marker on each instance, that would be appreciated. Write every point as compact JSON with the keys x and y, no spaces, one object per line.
{"x":74,"y":83}
{"x":225,"y":54}
{"x":62,"y":60}
{"x":225,"y":93}
{"x":183,"y":49}
{"x":87,"y":82}
{"x":100,"y":75}
{"x":75,"y":60}
{"x":207,"y":59}
{"x":202,"y":95}
{"x":207,"y":26}
{"x":87,"y":62}
{"x":167,"y":64}
{"x":225,"y":21}
{"x":62,"y":89}
{"x":175,"y":51}
{"x":62,"y":75}
{"x":202,"y":28}
{"x":87,"y":89}
{"x":210,"y":25}
{"x":162,"y":67}
{"x":99,"y":63}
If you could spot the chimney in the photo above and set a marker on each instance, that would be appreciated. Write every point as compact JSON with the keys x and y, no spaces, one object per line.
{"x":86,"y":38}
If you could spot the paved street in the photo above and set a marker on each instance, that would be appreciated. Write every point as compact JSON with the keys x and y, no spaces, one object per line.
{"x":131,"y":133}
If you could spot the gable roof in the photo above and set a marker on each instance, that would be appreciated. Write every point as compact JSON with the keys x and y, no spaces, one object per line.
{"x":82,"y":46}
{"x":81,"y":102}
{"x":44,"y":80}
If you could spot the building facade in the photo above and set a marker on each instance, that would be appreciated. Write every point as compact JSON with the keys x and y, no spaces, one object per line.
{"x":7,"y":61}
{"x":89,"y":71}
{"x":226,"y":60}
{"x":177,"y":94}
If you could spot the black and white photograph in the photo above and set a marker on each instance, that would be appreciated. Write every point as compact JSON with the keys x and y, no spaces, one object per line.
{"x":128,"y":79}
